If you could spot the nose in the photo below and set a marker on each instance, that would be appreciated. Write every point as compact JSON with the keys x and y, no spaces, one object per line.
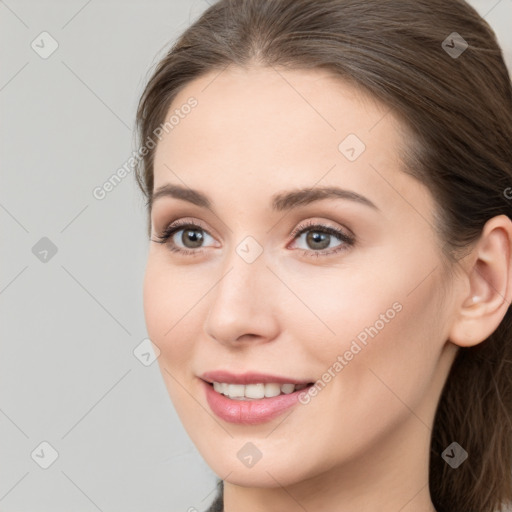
{"x":244,"y":303}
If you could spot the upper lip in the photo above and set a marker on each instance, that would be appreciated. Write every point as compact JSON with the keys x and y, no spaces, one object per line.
{"x":249,"y":378}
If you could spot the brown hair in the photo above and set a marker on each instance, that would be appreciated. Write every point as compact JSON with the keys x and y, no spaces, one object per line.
{"x":458,"y":109}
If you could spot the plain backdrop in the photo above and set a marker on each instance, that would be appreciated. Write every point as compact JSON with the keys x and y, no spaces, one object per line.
{"x":73,"y":383}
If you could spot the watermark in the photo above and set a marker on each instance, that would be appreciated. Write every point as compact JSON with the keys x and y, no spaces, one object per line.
{"x":100,"y":192}
{"x":508,"y":193}
{"x":146,"y":352}
{"x":454,"y":45}
{"x":454,"y":455}
{"x":44,"y":250}
{"x":249,"y":454}
{"x":44,"y":455}
{"x":44,"y":45}
{"x":249,"y":249}
{"x":351,"y":147}
{"x":356,"y":346}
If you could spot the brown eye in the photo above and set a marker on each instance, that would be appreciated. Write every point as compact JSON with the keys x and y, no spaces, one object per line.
{"x":192,"y":236}
{"x":189,"y":242}
{"x":318,"y":238}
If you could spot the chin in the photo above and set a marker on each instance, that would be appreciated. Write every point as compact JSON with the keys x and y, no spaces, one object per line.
{"x":261,"y":475}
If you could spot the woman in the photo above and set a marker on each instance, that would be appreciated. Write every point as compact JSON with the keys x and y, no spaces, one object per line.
{"x":329,"y":273}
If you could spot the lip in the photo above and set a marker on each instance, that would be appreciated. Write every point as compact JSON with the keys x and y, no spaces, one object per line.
{"x":249,"y":412}
{"x":249,"y":378}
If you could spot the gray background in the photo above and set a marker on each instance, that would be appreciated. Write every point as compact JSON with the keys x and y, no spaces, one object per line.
{"x":70,"y":324}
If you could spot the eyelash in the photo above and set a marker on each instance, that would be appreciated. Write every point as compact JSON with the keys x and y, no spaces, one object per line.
{"x":348,"y":240}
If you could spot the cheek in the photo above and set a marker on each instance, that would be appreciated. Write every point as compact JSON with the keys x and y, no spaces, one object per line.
{"x":390,"y":353}
{"x":170,"y":305}
{"x":412,"y":343}
{"x":380,"y":331}
{"x":169,"y":312}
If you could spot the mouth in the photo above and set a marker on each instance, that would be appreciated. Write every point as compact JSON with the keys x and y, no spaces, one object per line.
{"x":255,"y":391}
{"x":250,"y":398}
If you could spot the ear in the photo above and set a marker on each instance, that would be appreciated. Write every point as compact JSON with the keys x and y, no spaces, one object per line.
{"x":488,"y":277}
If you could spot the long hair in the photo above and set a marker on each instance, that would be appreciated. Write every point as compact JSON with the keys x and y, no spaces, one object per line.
{"x":437,"y":65}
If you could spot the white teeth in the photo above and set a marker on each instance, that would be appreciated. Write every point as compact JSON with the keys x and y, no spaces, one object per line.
{"x":255,"y":391}
{"x":288,"y":388}
{"x":236,"y":390}
{"x":272,"y":390}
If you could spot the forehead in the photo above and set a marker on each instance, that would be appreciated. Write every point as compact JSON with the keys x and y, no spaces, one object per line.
{"x":262,"y":129}
{"x":263,"y":113}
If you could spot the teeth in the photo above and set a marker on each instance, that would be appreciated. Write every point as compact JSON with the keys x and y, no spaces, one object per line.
{"x":273,"y":390}
{"x":288,"y":388}
{"x":236,"y":390}
{"x":255,"y":391}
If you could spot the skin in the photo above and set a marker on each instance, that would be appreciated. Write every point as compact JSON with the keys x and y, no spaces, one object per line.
{"x":363,"y":442}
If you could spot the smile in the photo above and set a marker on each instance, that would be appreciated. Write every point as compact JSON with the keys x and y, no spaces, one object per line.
{"x":250,"y":398}
{"x":255,"y":391}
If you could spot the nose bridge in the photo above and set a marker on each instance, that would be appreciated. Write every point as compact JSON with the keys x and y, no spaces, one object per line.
{"x":242,"y":301}
{"x":241,"y":286}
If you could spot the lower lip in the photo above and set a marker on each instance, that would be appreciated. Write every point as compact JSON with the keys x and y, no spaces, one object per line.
{"x":249,"y":412}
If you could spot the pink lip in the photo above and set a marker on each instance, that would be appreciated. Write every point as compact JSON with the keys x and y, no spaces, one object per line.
{"x":249,"y":378}
{"x":248,"y":412}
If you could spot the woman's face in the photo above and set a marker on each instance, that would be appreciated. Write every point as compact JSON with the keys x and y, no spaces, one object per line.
{"x":285,"y":281}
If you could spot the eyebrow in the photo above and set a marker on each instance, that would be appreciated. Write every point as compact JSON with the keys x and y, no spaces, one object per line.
{"x":279,"y":202}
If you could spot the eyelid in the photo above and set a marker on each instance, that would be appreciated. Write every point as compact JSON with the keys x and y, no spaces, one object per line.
{"x":183,"y":223}
{"x":321,"y":224}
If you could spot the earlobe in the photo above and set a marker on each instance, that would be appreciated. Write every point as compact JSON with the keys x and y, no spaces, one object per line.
{"x":488,"y":272}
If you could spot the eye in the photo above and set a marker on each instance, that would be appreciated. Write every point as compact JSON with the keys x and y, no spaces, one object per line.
{"x":319,"y":237}
{"x":192,"y":237}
